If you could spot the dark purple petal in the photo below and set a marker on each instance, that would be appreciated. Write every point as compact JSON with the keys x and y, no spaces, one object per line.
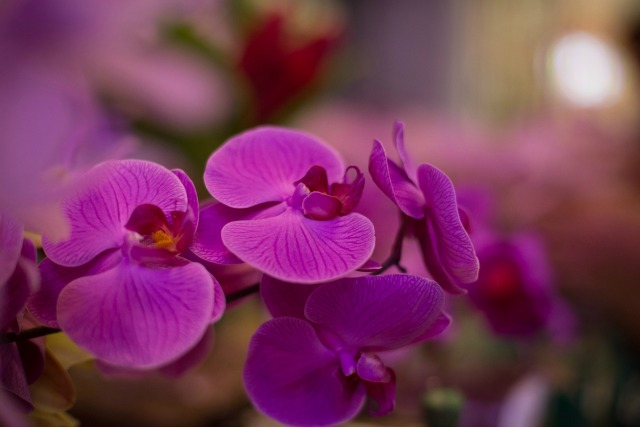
{"x":290,"y":376}
{"x":262,"y":165}
{"x":454,"y":248}
{"x":146,"y":219}
{"x":407,"y":163}
{"x":370,"y":368}
{"x":394,"y":183}
{"x":315,"y":179}
{"x":138,"y":317}
{"x":384,"y":396}
{"x":321,"y":206}
{"x":16,"y":290}
{"x":10,"y":246}
{"x":100,"y":211}
{"x":294,"y":248}
{"x":349,"y":191}
{"x":12,"y":376}
{"x":207,"y":243}
{"x":54,"y":277}
{"x":376,"y":312}
{"x":284,"y":298}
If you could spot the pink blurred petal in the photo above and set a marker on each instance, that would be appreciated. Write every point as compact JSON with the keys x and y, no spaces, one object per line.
{"x":261,"y":165}
{"x":293,"y":248}
{"x":407,"y":162}
{"x":10,"y":246}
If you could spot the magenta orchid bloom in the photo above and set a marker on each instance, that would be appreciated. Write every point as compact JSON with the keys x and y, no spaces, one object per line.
{"x":285,"y":207}
{"x":119,"y":286}
{"x":316,"y":362}
{"x":427,"y":200}
{"x":515,"y":291}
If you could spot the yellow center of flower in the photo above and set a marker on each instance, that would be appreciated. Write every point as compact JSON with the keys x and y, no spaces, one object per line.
{"x":162,"y":240}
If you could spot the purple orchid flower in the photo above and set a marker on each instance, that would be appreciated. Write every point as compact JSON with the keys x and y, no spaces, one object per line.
{"x":285,"y":207}
{"x":514,"y":289}
{"x":316,"y":362}
{"x":119,"y":286}
{"x":427,"y":201}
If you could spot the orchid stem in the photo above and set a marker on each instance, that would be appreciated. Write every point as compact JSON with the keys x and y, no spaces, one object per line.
{"x":28,"y":334}
{"x":396,"y":250}
{"x":42,"y":331}
{"x":235,"y":296}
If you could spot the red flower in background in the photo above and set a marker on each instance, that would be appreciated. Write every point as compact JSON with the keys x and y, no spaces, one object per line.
{"x":280,"y":70}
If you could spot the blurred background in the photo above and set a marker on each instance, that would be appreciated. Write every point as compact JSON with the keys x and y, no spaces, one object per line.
{"x":531,"y":107}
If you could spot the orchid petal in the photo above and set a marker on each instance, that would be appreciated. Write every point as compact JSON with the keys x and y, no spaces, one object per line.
{"x":321,"y":206}
{"x":262,"y":165}
{"x":383,"y":394}
{"x":99,"y":212}
{"x":284,"y":298}
{"x":292,"y":377}
{"x":454,"y":247}
{"x":394,"y":183}
{"x":192,"y":215}
{"x":207,"y":243}
{"x":12,"y":376}
{"x":407,"y":162}
{"x":294,"y":248}
{"x":438,"y":326}
{"x":190,"y":359}
{"x":370,"y":368}
{"x":10,"y":245}
{"x":138,"y":317}
{"x":54,"y":277}
{"x":16,"y":290}
{"x":219,"y":302}
{"x":376,"y":312}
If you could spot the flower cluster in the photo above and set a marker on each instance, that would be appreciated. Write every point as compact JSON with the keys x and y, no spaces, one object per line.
{"x":132,"y":284}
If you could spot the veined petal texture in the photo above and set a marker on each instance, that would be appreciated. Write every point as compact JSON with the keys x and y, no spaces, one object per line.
{"x":294,"y":248}
{"x":99,"y":212}
{"x":138,"y":317}
{"x":291,"y":376}
{"x":394,"y":183}
{"x":262,"y":164}
{"x":374,"y":313}
{"x":455,"y":250}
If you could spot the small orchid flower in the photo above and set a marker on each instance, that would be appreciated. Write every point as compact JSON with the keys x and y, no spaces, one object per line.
{"x":316,"y":362}
{"x":427,"y":201}
{"x":119,"y":286}
{"x":514,"y":289}
{"x":285,"y":206}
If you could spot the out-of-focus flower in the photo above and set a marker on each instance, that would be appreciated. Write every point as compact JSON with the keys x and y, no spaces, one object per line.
{"x":427,"y":199}
{"x":316,"y":361}
{"x":119,"y":286}
{"x":279,"y":70}
{"x":277,"y":211}
{"x":515,"y":291}
{"x":113,"y":46}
